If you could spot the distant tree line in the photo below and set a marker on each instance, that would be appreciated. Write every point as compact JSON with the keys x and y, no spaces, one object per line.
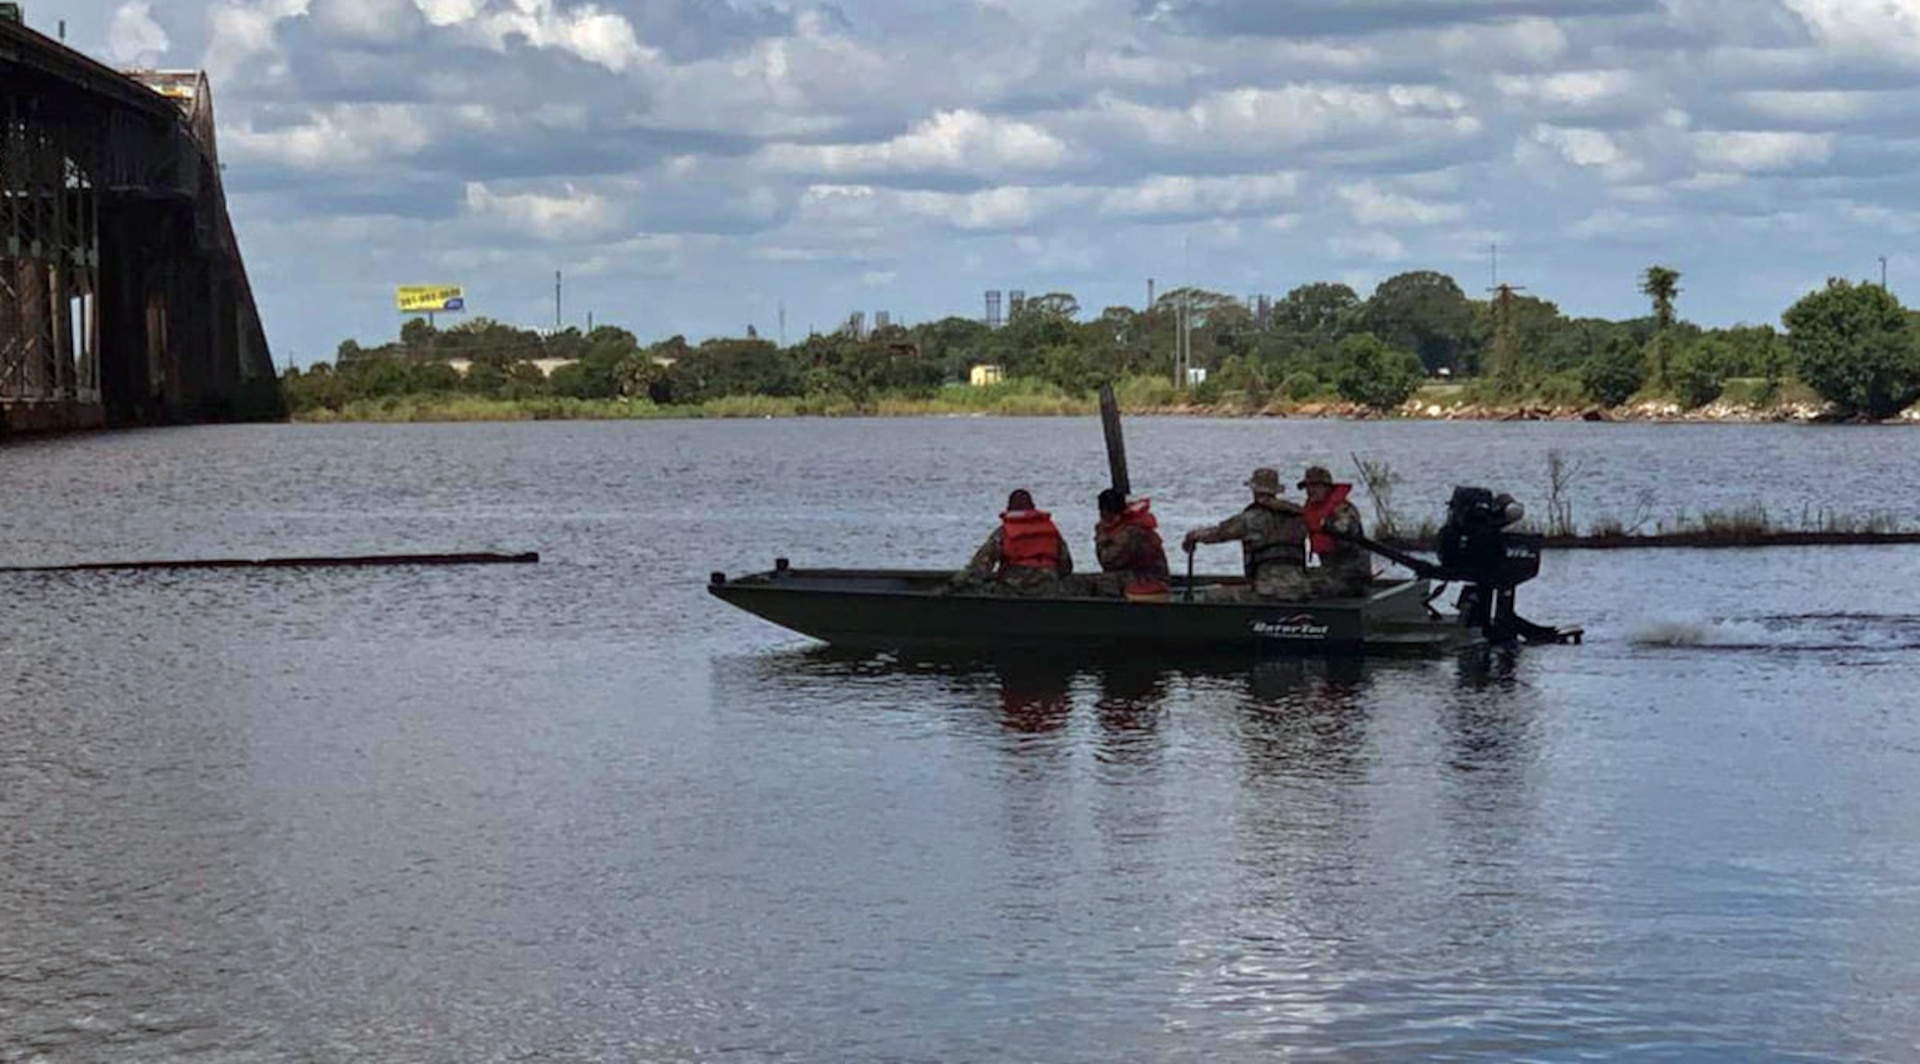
{"x":1853,"y":344}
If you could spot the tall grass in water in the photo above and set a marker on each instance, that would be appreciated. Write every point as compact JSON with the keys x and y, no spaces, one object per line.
{"x":1379,"y":479}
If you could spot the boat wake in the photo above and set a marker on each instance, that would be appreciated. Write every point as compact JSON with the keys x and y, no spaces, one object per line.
{"x":1785,"y":632}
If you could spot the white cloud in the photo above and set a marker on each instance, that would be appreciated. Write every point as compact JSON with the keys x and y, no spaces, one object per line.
{"x":1383,"y":247}
{"x":1813,"y":107}
{"x":1611,"y":224}
{"x":950,"y":141}
{"x":1864,"y":27}
{"x":1007,"y":207}
{"x":1371,"y":205}
{"x":133,"y":37}
{"x":573,"y":214}
{"x":1575,"y":91}
{"x":449,"y":12}
{"x":1260,"y":120}
{"x":367,"y":20}
{"x":242,"y":32}
{"x":1748,"y":152}
{"x":1589,"y":149}
{"x":339,"y":138}
{"x":1172,"y":195}
{"x":600,"y":37}
{"x":1533,"y":41}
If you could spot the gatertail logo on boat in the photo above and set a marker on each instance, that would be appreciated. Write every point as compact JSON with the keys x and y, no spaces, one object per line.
{"x":1298,"y":626}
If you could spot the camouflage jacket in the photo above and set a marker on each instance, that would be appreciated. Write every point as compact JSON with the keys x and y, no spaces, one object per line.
{"x":1349,"y":564}
{"x":1272,"y":535}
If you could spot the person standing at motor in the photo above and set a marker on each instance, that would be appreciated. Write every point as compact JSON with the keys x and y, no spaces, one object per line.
{"x":1133,"y":560}
{"x":1336,"y":567}
{"x":1272,"y":539}
{"x":1026,"y":554}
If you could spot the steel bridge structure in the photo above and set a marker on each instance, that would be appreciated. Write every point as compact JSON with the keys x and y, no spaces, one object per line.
{"x":123,"y":298}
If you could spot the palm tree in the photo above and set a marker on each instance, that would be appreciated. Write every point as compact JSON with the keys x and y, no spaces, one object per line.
{"x":1661,"y":285}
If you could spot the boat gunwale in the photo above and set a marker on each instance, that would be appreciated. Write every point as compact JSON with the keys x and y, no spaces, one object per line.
{"x":777,"y":580}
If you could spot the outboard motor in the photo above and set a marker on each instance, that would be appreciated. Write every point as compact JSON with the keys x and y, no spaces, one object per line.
{"x":1479,"y":550}
{"x":1474,"y":541}
{"x":1476,"y":549}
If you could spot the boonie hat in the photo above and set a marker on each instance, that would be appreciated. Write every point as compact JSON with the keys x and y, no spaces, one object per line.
{"x":1265,"y":480}
{"x":1317,"y":475}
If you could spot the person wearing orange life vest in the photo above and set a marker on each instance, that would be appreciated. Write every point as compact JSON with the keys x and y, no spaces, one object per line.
{"x":1025,"y":555}
{"x":1133,"y":560}
{"x":1336,"y":568}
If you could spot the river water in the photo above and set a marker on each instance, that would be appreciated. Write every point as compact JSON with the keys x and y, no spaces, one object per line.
{"x":583,"y":811}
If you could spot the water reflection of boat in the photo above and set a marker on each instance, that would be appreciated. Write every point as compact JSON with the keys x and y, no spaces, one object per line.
{"x":913,"y":610}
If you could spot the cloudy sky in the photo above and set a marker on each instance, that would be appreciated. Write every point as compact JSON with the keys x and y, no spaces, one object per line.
{"x":694,"y":165}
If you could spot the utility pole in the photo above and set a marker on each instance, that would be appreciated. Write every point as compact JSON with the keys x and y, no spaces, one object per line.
{"x":556,"y":301}
{"x":1506,"y":361}
{"x":1493,"y":266}
{"x":783,"y":323}
{"x":1180,"y":343}
{"x":1883,"y":273}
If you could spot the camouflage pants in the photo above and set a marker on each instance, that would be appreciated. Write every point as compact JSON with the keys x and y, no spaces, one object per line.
{"x":1026,"y":584}
{"x":1272,"y":584}
{"x":1333,"y":582}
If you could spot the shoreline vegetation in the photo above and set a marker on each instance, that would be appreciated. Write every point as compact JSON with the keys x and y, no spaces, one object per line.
{"x":1743,"y":401}
{"x":1417,"y":347}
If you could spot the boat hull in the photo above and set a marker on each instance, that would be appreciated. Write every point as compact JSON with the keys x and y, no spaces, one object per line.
{"x":914,"y":610}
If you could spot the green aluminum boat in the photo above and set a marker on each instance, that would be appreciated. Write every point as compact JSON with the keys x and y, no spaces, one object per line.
{"x":877,"y":609}
{"x":916,"y":610}
{"x":896,"y":609}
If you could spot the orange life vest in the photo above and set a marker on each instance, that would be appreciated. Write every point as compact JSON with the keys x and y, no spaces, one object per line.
{"x":1147,"y":565}
{"x":1317,"y":513}
{"x":1029,"y":540}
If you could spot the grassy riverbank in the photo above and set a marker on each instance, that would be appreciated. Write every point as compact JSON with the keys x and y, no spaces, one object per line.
{"x":1743,"y":401}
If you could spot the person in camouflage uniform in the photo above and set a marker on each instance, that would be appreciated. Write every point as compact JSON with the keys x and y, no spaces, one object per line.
{"x":1133,"y":561}
{"x":1025,"y":555}
{"x":1273,"y":539}
{"x":1336,"y":568}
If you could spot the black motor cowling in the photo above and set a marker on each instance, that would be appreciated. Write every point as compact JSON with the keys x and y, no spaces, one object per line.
{"x":1475,"y":545}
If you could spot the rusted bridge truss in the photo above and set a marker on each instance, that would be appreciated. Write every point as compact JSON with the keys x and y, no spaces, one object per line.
{"x":123,"y":297}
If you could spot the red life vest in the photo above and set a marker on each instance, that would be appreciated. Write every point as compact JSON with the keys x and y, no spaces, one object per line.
{"x":1317,"y":513}
{"x":1029,"y":540}
{"x":1147,"y":566}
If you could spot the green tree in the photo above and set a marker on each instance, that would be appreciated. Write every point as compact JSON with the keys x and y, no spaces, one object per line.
{"x":417,"y":336}
{"x":1373,"y":374}
{"x":1853,"y":344}
{"x":1614,"y":373}
{"x":1424,"y":312}
{"x":1320,"y":307}
{"x":1698,"y":372}
{"x":484,"y":379}
{"x":435,"y":377}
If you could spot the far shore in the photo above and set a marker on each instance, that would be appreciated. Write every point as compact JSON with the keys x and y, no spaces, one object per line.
{"x":1425,"y":407}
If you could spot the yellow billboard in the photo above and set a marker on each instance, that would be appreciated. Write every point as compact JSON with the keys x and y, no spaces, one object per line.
{"x":429,"y":298}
